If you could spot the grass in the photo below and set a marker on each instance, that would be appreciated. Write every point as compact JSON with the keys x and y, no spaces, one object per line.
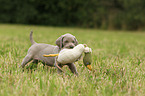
{"x":118,"y":63}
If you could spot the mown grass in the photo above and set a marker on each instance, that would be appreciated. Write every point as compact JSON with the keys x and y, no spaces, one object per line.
{"x":118,"y":63}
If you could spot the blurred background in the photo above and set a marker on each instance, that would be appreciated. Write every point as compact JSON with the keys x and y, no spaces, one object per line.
{"x":101,"y":14}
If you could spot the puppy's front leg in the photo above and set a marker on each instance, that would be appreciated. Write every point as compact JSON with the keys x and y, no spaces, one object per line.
{"x":73,"y":69}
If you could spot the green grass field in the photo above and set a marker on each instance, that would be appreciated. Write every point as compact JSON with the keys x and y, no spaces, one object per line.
{"x":118,"y":63}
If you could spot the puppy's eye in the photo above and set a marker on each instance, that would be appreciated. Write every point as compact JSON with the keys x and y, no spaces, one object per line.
{"x":73,"y":41}
{"x":66,"y":41}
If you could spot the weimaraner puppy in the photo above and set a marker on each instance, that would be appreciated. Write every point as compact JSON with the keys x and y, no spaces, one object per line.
{"x":37,"y":50}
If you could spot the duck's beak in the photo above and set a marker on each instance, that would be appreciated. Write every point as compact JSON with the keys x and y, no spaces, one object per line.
{"x":89,"y":67}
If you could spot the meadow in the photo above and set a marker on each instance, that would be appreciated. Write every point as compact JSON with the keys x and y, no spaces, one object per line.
{"x":118,"y":62}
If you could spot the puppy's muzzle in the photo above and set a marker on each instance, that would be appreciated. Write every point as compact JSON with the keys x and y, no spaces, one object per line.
{"x":71,"y":47}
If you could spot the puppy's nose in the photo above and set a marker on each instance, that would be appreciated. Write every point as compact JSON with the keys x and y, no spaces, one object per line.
{"x":71,"y":47}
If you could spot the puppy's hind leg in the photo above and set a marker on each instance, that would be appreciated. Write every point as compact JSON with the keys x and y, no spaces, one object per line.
{"x":27,"y":59}
{"x":33,"y":65}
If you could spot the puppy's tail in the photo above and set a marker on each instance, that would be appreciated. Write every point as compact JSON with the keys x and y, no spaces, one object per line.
{"x":31,"y":38}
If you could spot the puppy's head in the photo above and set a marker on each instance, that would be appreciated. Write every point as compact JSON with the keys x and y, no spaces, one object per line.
{"x":66,"y":41}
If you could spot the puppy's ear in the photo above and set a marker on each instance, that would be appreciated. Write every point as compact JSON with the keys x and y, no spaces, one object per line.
{"x":76,"y":42}
{"x":59,"y":41}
